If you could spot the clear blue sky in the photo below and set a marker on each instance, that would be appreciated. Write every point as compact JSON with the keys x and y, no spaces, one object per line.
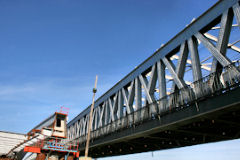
{"x":51,"y":50}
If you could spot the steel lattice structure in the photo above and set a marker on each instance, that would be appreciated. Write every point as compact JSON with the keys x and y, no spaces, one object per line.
{"x":164,"y":81}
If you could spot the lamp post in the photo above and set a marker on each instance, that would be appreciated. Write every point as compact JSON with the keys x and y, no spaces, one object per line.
{"x":90,"y":120}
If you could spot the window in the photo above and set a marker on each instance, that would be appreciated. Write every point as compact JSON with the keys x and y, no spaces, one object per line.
{"x":58,"y":122}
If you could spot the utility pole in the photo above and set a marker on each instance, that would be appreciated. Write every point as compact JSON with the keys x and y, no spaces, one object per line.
{"x":90,"y":119}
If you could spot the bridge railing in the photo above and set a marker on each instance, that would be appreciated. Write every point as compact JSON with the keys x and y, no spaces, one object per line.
{"x":217,"y":83}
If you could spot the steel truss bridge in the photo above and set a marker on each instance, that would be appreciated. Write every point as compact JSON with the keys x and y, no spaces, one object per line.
{"x":186,"y":93}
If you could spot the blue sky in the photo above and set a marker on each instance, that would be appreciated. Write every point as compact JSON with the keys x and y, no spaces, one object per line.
{"x":51,"y":51}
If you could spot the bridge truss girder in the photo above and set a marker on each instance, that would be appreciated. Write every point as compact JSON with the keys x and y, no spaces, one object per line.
{"x":147,"y":83}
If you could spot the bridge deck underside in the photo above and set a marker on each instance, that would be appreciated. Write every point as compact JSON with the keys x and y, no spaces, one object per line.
{"x":211,"y":119}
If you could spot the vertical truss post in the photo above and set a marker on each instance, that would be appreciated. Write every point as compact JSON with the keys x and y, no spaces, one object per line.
{"x":138,"y":94}
{"x":196,"y":66}
{"x":120,"y":104}
{"x":161,"y":84}
{"x":180,"y":70}
{"x":223,"y":37}
{"x":236,"y":9}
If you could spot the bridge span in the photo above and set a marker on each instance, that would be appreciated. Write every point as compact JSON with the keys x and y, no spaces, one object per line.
{"x":186,"y":93}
